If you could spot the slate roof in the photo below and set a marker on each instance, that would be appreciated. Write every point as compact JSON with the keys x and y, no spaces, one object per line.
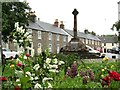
{"x":43,"y":26}
{"x":51,"y":28}
{"x":35,"y":26}
{"x":108,"y":39}
{"x":83,"y":35}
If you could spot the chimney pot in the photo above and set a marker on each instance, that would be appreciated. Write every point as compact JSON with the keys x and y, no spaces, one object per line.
{"x":32,"y":16}
{"x":56,"y":23}
{"x":61,"y":25}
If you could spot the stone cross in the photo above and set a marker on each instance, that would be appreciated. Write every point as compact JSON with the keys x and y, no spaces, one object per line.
{"x":75,"y":12}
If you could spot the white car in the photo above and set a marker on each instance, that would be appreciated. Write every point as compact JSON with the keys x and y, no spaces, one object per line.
{"x":7,"y":53}
{"x":93,"y":51}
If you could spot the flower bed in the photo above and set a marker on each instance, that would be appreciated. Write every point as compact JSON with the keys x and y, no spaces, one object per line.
{"x":46,"y":71}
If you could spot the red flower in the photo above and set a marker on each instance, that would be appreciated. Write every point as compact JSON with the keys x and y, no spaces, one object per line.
{"x":106,"y":81}
{"x":27,"y":55}
{"x":17,"y":88}
{"x":114,"y":75}
{"x":19,"y":64}
{"x":3,"y":79}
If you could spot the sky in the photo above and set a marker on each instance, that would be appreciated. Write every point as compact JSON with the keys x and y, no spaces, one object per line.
{"x":94,"y":15}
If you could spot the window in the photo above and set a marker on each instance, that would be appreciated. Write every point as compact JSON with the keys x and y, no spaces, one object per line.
{"x":86,"y":41}
{"x":58,"y":48}
{"x":58,"y":37}
{"x":39,"y":34}
{"x":98,"y":42}
{"x":83,"y":40}
{"x":95,"y":42}
{"x":50,"y":35}
{"x":29,"y":31}
{"x":65,"y":37}
{"x":92,"y":41}
{"x":39,"y":48}
{"x":50,"y":47}
{"x":39,"y":45}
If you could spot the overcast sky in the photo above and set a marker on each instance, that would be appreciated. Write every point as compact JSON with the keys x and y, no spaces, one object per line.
{"x":94,"y":15}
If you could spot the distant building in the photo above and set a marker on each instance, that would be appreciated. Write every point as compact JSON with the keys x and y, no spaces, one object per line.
{"x":44,"y":35}
{"x":87,"y":39}
{"x":108,"y":42}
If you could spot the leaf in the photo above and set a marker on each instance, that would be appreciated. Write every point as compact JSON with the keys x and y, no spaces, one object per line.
{"x":24,"y":80}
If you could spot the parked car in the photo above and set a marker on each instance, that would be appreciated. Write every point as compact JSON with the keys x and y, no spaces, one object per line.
{"x":115,"y":50}
{"x":93,"y":51}
{"x":6,"y":53}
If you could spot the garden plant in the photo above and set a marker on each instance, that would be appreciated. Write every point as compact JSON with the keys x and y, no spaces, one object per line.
{"x":48,"y":70}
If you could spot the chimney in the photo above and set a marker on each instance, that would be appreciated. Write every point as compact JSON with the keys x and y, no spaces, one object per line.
{"x":32,"y":16}
{"x":56,"y":23}
{"x":61,"y":25}
{"x":38,"y":19}
{"x":86,"y":31}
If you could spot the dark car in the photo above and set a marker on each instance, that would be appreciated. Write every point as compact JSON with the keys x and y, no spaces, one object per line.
{"x":115,"y":50}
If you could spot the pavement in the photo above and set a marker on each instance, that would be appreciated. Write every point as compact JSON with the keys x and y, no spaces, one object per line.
{"x":111,"y":55}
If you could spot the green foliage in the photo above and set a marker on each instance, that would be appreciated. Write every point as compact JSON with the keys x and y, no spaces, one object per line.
{"x":68,"y":59}
{"x":13,"y":12}
{"x":115,"y":84}
{"x":116,"y":25}
{"x":31,"y":72}
{"x":60,"y":79}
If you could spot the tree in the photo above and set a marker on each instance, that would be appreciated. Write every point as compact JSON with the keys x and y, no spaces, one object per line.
{"x":13,"y":12}
{"x":117,"y":26}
